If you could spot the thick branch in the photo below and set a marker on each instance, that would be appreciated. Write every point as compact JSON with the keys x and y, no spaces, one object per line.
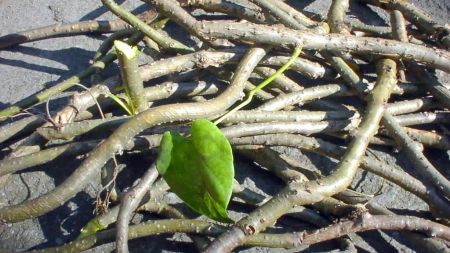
{"x":333,"y":42}
{"x":117,"y":141}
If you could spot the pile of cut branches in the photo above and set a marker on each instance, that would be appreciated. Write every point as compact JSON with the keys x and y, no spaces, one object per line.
{"x":331,"y":86}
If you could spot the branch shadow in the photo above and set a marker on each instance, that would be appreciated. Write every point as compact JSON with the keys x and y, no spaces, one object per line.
{"x":96,"y":13}
{"x":366,"y":14}
{"x":377,"y":241}
{"x":74,"y":58}
{"x":64,"y":223}
{"x":300,"y":5}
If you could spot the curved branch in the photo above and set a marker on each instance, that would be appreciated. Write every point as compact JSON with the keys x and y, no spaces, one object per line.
{"x":117,"y":141}
{"x":370,"y":222}
{"x":287,"y":240}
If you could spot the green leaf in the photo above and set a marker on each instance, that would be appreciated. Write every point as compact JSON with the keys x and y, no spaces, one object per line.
{"x":165,"y":150}
{"x":122,"y":104}
{"x":199,"y":169}
{"x":216,"y":156}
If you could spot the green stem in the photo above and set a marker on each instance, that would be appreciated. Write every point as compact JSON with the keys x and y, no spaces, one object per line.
{"x":124,"y":106}
{"x":260,"y":86}
{"x":283,"y":82}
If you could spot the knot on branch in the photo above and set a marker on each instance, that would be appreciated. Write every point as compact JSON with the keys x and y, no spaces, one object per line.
{"x":249,"y":229}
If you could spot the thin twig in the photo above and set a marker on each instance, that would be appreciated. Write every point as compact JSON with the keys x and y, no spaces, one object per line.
{"x":129,"y":203}
{"x":164,"y":40}
{"x":69,"y":29}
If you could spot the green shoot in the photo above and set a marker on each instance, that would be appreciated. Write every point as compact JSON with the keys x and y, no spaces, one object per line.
{"x":121,"y":103}
{"x":263,"y":84}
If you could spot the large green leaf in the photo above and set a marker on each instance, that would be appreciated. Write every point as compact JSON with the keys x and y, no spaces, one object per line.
{"x":199,"y":169}
{"x":165,"y":151}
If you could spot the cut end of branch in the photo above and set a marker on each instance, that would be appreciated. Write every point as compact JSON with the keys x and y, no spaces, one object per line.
{"x":125,"y":49}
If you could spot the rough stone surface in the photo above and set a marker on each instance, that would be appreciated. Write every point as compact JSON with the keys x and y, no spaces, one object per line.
{"x":30,"y":67}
